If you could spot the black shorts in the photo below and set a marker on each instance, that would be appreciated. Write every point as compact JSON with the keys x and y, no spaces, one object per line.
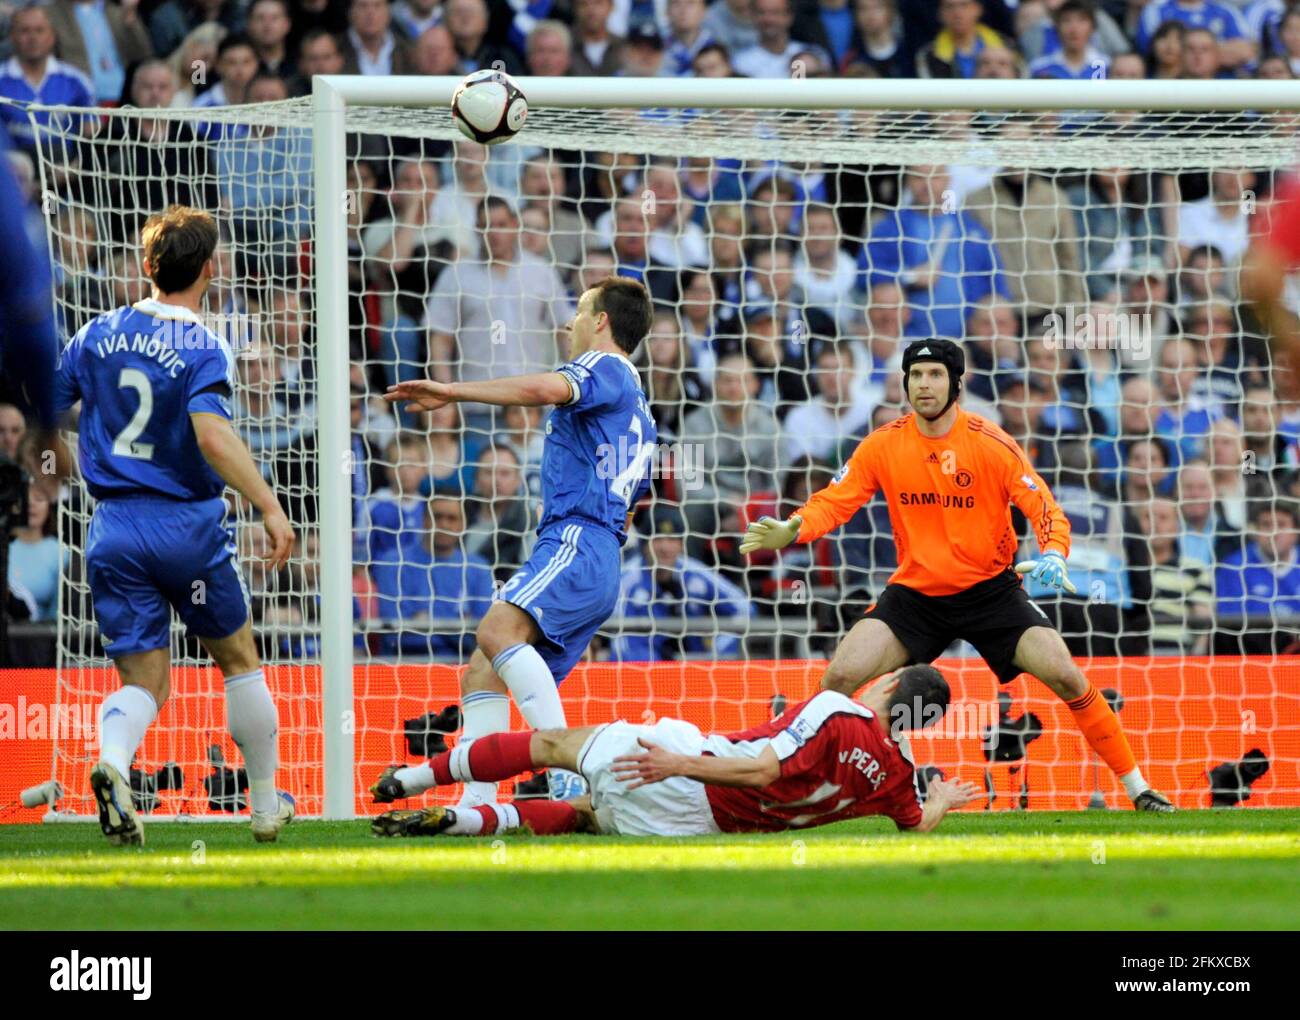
{"x":991,"y":615}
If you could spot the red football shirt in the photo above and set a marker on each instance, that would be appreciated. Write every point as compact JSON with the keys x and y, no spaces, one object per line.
{"x":837,"y":762}
{"x":1278,"y":221}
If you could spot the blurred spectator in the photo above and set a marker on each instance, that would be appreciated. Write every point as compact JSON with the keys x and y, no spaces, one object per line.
{"x":953,"y":52}
{"x":79,"y":282}
{"x":1220,"y":21}
{"x":101,"y":40}
{"x":773,"y":209}
{"x":696,"y":319}
{"x":1288,"y":37}
{"x":1176,"y":589}
{"x":737,"y":444}
{"x":999,"y":62}
{"x":771,"y":55}
{"x":1127,"y":67}
{"x":35,"y":559}
{"x":596,"y":51}
{"x":34,"y":75}
{"x":686,"y":36}
{"x":331,"y":15}
{"x":452,"y":452}
{"x":393,"y":516}
{"x":940,"y":255}
{"x":1274,"y":68}
{"x":458,"y":200}
{"x":1202,"y":275}
{"x":195,"y":62}
{"x":371,"y":46}
{"x":1202,"y":56}
{"x":521,"y":430}
{"x":412,"y":18}
{"x":1039,"y":36}
{"x":631,"y":250}
{"x":150,"y":163}
{"x":1183,"y":418}
{"x":1147,"y":472}
{"x":876,"y":42}
{"x":1263,"y":579}
{"x":1117,"y":227}
{"x":266,"y":186}
{"x":436,"y":580}
{"x":825,"y":275}
{"x":1229,"y":469}
{"x":1144,"y":292}
{"x":1264,"y":447}
{"x":731,"y":23}
{"x":1233,"y":361}
{"x":675,"y":239}
{"x":500,"y":524}
{"x":840,"y":409}
{"x":467,"y":21}
{"x":713,"y":61}
{"x":672,"y":385}
{"x":504,"y":316}
{"x":1030,"y":221}
{"x":236,"y":68}
{"x":1137,"y":415}
{"x":1220,"y":219}
{"x":1092,"y":620}
{"x":434,"y":52}
{"x":1165,"y":56}
{"x":172,"y":21}
{"x":993,"y":342}
{"x":664,"y":583}
{"x":643,"y":52}
{"x":1075,"y":58}
{"x":771,"y":282}
{"x":268,"y":29}
{"x":365,"y":467}
{"x":548,"y":52}
{"x":13,"y":427}
{"x":1203,"y":533}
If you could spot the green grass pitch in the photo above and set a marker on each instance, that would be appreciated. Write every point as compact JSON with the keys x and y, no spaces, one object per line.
{"x":1229,"y":868}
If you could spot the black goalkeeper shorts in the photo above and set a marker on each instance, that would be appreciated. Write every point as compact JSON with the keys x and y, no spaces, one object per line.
{"x":991,"y":615}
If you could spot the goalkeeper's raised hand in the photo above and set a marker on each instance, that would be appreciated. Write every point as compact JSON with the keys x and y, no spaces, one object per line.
{"x":769,"y":533}
{"x":1048,"y":569}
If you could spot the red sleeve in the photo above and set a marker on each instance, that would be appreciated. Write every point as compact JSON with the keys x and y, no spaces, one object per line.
{"x":1278,"y":221}
{"x":905,"y":807}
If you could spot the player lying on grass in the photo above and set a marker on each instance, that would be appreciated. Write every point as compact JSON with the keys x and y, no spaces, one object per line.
{"x":821,"y":761}
{"x":157,"y":452}
{"x":949,"y":478}
{"x":550,"y":608}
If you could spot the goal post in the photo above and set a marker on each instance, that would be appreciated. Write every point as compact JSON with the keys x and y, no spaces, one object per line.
{"x":349,"y":671}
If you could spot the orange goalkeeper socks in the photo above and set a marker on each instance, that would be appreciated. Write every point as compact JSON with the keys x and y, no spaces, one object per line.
{"x":1100,"y":727}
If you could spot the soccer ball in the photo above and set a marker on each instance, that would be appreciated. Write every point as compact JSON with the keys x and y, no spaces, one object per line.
{"x":489,"y":107}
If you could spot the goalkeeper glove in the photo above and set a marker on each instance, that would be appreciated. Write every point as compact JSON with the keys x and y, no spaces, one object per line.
{"x":1048,"y":569}
{"x":769,"y":533}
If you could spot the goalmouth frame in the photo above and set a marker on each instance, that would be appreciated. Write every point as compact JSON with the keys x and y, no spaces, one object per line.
{"x":332,"y":95}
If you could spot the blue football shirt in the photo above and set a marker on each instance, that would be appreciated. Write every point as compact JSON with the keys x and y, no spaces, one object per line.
{"x":599,"y":446}
{"x":140,"y":372}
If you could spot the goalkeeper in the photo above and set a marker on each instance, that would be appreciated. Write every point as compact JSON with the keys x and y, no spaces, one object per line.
{"x":949,"y":478}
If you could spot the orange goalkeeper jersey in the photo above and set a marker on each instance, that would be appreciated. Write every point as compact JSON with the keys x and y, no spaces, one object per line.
{"x":949,"y":501}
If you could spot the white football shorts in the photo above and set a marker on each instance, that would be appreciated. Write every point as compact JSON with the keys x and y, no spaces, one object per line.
{"x":671,"y":807}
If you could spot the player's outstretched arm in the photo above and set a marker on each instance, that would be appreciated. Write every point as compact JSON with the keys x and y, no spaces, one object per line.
{"x":1263,"y":281}
{"x":943,"y":797}
{"x":230,"y":458}
{"x":538,"y":390}
{"x":655,"y":764}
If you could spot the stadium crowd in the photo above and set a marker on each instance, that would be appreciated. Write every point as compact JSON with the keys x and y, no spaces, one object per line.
{"x":784,"y":294}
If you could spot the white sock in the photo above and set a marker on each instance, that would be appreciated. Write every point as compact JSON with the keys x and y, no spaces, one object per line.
{"x":482,"y":713}
{"x":530,"y":681}
{"x":123,"y":718}
{"x":415,"y":779}
{"x":470,"y":822}
{"x":254,"y":725}
{"x":1134,"y":784}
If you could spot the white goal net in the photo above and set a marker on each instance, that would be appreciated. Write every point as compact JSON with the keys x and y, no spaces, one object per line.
{"x":1085,"y":258}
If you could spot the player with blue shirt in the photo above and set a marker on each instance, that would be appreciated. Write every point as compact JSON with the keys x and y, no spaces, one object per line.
{"x":595,"y":467}
{"x":157,"y":451}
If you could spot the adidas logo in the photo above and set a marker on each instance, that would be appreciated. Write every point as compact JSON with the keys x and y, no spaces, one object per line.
{"x":923,"y":350}
{"x":932,"y":459}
